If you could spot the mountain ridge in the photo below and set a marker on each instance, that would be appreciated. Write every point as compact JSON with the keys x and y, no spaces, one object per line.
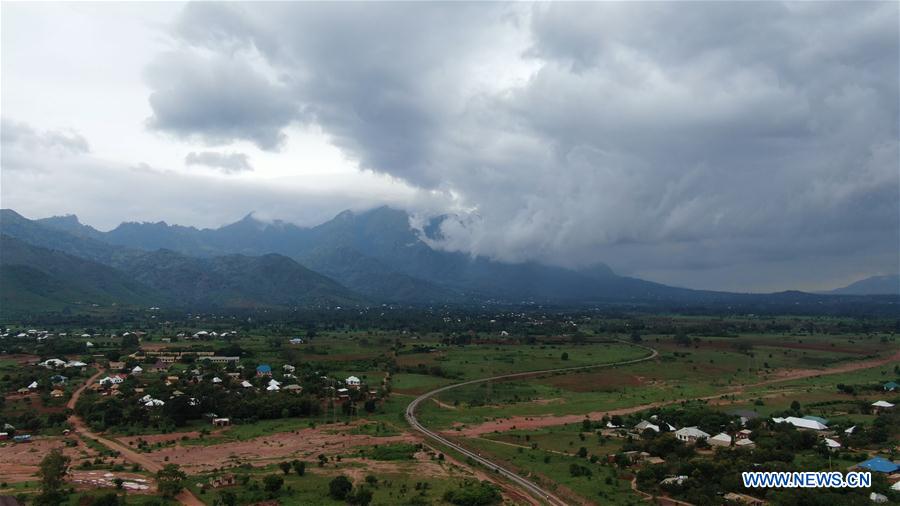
{"x":376,"y":255}
{"x":888,"y":284}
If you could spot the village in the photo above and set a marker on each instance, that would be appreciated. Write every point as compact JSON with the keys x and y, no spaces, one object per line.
{"x":230,"y":407}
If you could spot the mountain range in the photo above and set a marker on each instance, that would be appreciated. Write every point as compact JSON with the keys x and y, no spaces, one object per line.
{"x":355,"y":258}
{"x":875,"y":285}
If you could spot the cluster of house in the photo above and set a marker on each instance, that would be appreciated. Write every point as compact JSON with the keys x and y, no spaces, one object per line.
{"x":204,"y":334}
{"x":691,"y":435}
{"x":38,"y":335}
{"x":164,"y":359}
{"x":741,"y":438}
{"x":265,"y":370}
{"x":56,"y":363}
{"x":57,"y":381}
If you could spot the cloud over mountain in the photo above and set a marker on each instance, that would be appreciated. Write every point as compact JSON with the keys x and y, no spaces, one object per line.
{"x":700,"y":139}
{"x":748,"y":145}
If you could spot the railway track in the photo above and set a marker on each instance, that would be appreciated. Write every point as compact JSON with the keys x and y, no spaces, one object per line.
{"x":525,"y":484}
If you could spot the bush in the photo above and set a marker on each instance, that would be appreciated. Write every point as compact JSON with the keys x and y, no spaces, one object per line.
{"x":340,"y":487}
{"x":479,"y":494}
{"x":273,"y":483}
{"x":362,"y":497}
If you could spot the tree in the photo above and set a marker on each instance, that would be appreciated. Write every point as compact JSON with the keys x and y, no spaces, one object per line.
{"x":474,"y":494}
{"x":564,"y":356}
{"x":52,"y":472}
{"x":285,"y":467}
{"x":362,"y":497}
{"x":272,"y":483}
{"x":340,"y":487}
{"x":299,"y":467}
{"x":170,"y":480}
{"x":108,"y":499}
{"x":228,"y":498}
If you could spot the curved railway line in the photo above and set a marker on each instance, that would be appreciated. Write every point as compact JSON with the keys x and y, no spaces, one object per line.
{"x":527,"y":485}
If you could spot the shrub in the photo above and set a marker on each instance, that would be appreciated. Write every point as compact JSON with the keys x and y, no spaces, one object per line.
{"x":340,"y":487}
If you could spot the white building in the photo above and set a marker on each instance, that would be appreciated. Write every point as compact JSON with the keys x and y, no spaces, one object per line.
{"x":881,"y":406}
{"x":691,"y":435}
{"x":53,"y":362}
{"x":802,"y":423}
{"x":720,"y":439}
{"x":644,"y":425}
{"x":352,"y":381}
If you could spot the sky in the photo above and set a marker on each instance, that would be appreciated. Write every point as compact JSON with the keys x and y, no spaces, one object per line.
{"x":744,"y":146}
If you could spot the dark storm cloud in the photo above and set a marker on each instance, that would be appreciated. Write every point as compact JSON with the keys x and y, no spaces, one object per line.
{"x":659,"y":137}
{"x":217,"y":99}
{"x":228,"y":163}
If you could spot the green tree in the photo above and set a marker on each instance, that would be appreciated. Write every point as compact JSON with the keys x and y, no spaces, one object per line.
{"x":52,"y":473}
{"x":107,"y":499}
{"x":227,"y":498}
{"x":340,"y":487}
{"x":362,"y":497}
{"x":299,"y":467}
{"x":272,"y":483}
{"x":285,"y":467}
{"x":170,"y":480}
{"x":564,"y":356}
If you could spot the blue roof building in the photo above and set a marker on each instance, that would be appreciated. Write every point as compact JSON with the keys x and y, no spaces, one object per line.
{"x":879,"y":465}
{"x":890,"y":386}
{"x":264,"y":370}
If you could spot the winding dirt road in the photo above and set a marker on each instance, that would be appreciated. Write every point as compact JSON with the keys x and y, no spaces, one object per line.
{"x":78,"y":426}
{"x":527,"y":485}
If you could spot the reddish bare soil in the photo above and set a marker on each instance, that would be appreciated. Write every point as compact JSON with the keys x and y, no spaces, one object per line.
{"x":533,"y":422}
{"x":305,"y":444}
{"x":133,"y":483}
{"x":152,"y":439}
{"x":19,"y":461}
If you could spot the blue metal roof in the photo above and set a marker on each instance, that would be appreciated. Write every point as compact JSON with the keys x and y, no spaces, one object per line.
{"x":264,"y":368}
{"x":880,"y":465}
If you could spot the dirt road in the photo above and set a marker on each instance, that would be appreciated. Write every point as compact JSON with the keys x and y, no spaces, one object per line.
{"x":533,"y":422}
{"x":78,"y":426}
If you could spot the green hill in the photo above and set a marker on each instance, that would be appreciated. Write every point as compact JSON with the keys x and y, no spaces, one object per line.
{"x":35,"y":279}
